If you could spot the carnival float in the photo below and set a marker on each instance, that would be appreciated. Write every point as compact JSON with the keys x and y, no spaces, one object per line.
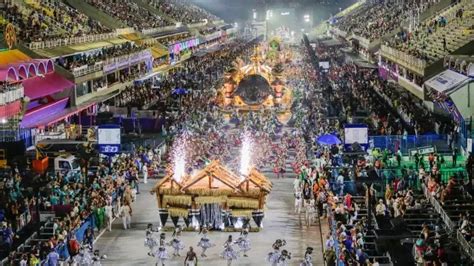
{"x":214,"y":197}
{"x":260,"y":85}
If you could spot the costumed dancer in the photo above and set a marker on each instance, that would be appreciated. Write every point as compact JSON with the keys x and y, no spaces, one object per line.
{"x":285,"y":256}
{"x":150,"y":241}
{"x":229,"y":254}
{"x":84,"y":257}
{"x":308,"y":260}
{"x":96,"y":258}
{"x":273,"y":257}
{"x":161,"y":253}
{"x":243,"y":241}
{"x":176,"y":242}
{"x":298,"y":200}
{"x":205,"y":243}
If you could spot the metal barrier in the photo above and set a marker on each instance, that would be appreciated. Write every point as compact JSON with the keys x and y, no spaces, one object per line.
{"x":466,"y":246}
{"x":11,"y":93}
{"x":332,"y":227}
{"x":405,"y":143}
{"x":71,"y":41}
{"x":87,"y":69}
{"x":437,"y":206}
{"x":403,"y":58}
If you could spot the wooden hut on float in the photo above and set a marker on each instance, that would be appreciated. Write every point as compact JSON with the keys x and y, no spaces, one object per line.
{"x":213,"y":196}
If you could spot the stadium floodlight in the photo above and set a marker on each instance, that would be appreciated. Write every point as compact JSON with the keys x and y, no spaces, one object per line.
{"x":254,"y":14}
{"x":307,"y":18}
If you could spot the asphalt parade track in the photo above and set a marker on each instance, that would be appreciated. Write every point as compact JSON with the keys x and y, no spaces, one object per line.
{"x":127,"y":247}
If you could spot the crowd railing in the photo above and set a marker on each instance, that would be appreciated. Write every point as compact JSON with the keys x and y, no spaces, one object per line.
{"x":468,"y":248}
{"x":87,"y":69}
{"x":439,"y":209}
{"x":118,"y":62}
{"x":11,"y":93}
{"x":405,"y":143}
{"x":332,"y":227}
{"x":152,"y":31}
{"x":71,"y":41}
{"x":403,"y":58}
{"x":112,"y":63}
{"x":451,"y":226}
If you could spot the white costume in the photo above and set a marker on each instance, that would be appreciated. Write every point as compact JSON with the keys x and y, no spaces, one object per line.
{"x":244,"y":243}
{"x":308,"y":260}
{"x":229,"y":254}
{"x":176,"y":243}
{"x":205,"y":243}
{"x":298,"y":201}
{"x":150,"y":240}
{"x":161,"y":253}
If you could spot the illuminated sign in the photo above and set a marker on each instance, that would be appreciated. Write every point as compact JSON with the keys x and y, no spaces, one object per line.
{"x":180,"y":46}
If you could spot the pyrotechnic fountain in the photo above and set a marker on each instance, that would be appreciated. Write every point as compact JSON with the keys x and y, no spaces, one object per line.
{"x":179,"y":158}
{"x":209,"y":195}
{"x":246,"y":155}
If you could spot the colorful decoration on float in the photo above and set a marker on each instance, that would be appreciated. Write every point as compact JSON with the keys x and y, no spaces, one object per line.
{"x":10,"y":35}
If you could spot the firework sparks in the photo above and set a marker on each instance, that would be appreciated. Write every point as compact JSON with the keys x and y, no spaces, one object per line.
{"x":179,"y":158}
{"x":246,"y":154}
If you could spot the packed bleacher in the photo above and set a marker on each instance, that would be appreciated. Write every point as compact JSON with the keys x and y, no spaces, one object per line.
{"x":183,"y":11}
{"x":131,"y":14}
{"x":438,"y":35}
{"x":42,"y":21}
{"x":140,"y":96}
{"x":385,"y":17}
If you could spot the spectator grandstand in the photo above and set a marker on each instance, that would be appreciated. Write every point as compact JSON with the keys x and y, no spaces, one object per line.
{"x":131,"y":13}
{"x":183,"y":11}
{"x":439,"y":35}
{"x":48,"y":20}
{"x":385,"y":17}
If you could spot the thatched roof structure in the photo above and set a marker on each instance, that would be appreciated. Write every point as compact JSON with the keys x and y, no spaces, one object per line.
{"x":214,"y":184}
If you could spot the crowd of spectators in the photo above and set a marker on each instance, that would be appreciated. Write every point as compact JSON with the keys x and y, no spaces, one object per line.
{"x":97,"y":196}
{"x":166,"y":41}
{"x":401,"y":196}
{"x":412,"y":109}
{"x":138,"y":95}
{"x":71,"y":20}
{"x":183,"y":11}
{"x":131,"y":14}
{"x":51,"y":20}
{"x":385,"y":17}
{"x":75,"y":61}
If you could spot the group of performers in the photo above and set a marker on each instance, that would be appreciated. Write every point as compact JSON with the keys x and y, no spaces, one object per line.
{"x":232,"y":249}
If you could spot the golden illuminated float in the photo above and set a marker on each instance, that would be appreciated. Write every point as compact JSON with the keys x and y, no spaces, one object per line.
{"x":260,"y":85}
{"x":214,"y":196}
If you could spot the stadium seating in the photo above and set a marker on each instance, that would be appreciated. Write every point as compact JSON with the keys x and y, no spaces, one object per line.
{"x":385,"y":17}
{"x":427,"y":42}
{"x":130,"y":13}
{"x":183,"y":11}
